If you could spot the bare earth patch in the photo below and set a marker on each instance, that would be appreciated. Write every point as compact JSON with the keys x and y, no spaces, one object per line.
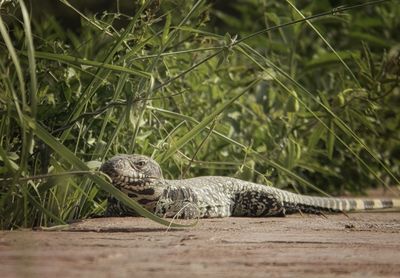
{"x":363,"y":245}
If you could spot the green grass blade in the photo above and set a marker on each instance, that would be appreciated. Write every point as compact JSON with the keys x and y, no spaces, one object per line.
{"x":93,"y":23}
{"x":331,"y":140}
{"x":22,"y":89}
{"x":31,"y":57}
{"x":41,"y":208}
{"x":14,"y":58}
{"x":78,"y":61}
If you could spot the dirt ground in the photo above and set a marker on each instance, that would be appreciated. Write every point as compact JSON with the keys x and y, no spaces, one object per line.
{"x":363,"y":245}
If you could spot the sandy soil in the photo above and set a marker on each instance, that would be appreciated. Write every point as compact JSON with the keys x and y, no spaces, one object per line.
{"x":363,"y":245}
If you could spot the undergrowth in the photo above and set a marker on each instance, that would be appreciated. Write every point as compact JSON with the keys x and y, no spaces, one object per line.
{"x":302,"y":97}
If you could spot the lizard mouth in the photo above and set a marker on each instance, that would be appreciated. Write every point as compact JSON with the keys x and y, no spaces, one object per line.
{"x":135,"y":182}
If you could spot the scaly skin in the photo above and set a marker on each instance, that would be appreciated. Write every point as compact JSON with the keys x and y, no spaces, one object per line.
{"x":207,"y":197}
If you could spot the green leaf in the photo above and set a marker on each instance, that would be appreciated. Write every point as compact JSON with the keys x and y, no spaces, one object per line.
{"x":331,"y":140}
{"x":166,"y":28}
{"x":328,"y":59}
{"x":368,"y":38}
{"x":315,"y":136}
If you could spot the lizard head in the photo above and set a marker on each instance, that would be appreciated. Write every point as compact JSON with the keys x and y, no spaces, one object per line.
{"x":132,"y":172}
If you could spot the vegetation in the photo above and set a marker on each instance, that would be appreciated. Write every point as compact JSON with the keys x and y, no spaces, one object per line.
{"x":251,"y":89}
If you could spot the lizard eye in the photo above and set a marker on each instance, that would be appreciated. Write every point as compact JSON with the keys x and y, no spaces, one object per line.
{"x":140,"y":163}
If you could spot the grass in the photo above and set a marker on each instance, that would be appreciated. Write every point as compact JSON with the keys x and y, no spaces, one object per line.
{"x":301,"y":97}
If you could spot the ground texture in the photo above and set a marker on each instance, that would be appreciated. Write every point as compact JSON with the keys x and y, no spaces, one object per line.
{"x":361,"y":245}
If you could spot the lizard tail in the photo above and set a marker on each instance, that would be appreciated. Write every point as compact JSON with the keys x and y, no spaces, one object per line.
{"x":295,"y":203}
{"x":371,"y":204}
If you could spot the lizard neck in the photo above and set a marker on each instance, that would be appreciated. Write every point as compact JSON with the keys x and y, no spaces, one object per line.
{"x":148,"y":195}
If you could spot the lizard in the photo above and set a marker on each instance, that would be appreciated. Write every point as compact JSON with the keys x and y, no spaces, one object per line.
{"x":141,"y":178}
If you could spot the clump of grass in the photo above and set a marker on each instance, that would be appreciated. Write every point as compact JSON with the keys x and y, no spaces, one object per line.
{"x":294,"y":100}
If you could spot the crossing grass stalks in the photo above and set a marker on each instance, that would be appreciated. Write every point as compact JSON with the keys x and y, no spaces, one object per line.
{"x":301,"y":97}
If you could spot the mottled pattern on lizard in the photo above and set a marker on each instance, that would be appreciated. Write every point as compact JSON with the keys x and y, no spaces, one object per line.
{"x":213,"y":196}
